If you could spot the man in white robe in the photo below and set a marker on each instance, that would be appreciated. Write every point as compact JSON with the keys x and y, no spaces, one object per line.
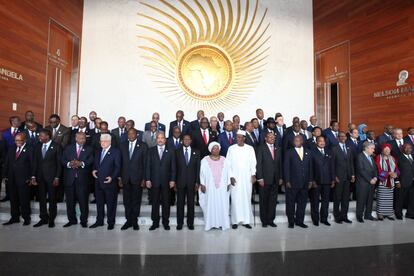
{"x":213,"y":195}
{"x":241,"y":165}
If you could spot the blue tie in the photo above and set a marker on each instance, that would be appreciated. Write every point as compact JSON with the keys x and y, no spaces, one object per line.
{"x":176,"y":143}
{"x":369,"y":159}
{"x":102,"y":155}
{"x":186,"y":156}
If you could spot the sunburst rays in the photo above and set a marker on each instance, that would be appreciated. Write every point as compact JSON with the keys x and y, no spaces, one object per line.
{"x":236,"y":27}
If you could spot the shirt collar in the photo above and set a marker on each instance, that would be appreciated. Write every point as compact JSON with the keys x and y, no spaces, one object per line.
{"x":48,"y":143}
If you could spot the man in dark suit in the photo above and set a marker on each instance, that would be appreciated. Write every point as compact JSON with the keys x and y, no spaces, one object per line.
{"x":120,"y":133}
{"x":256,"y":129}
{"x":60,"y":133}
{"x":409,"y":139}
{"x":269,"y":177}
{"x":386,"y":136}
{"x":18,"y":170}
{"x":220,"y":121}
{"x":202,"y":137}
{"x":371,"y":139}
{"x":194,"y":125}
{"x":280,"y":130}
{"x":290,"y":135}
{"x":32,"y":133}
{"x":226,"y":138}
{"x":294,"y":120}
{"x":311,"y":142}
{"x":236,"y":123}
{"x":313,"y":120}
{"x":107,"y":167}
{"x":134,"y":155}
{"x":96,"y":140}
{"x":260,"y":119}
{"x":366,"y":178}
{"x":29,"y":117}
{"x":156,"y":119}
{"x":404,"y":191}
{"x":47,"y":170}
{"x":324,"y":180}
{"x":397,"y":143}
{"x":331,"y":134}
{"x":9,"y":133}
{"x":174,"y":141}
{"x":84,"y":128}
{"x":250,"y":137}
{"x":182,"y":124}
{"x":297,"y":175}
{"x":77,"y":160}
{"x":188,"y":179}
{"x":160,"y":178}
{"x":354,"y":143}
{"x":270,"y":127}
{"x":344,"y":176}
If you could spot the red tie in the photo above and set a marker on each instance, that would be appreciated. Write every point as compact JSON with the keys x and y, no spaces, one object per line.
{"x":412,"y":138}
{"x":205,"y":137}
{"x":14,"y":132}
{"x":272,"y":151}
{"x":18,"y":152}
{"x":230,"y":140}
{"x":78,"y":151}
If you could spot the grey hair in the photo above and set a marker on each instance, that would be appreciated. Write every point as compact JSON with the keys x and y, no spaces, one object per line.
{"x":105,"y":137}
{"x":367,"y":144}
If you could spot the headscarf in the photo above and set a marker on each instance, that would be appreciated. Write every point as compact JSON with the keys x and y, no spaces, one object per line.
{"x":212,"y":144}
{"x":362,"y":135}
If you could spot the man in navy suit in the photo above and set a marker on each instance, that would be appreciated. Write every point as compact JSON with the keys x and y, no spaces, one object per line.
{"x":77,"y":160}
{"x":353,"y":142}
{"x":250,"y":137}
{"x":409,"y":139}
{"x":226,"y":138}
{"x":10,"y":133}
{"x":298,"y":177}
{"x":311,"y":142}
{"x":84,"y":127}
{"x":290,"y":135}
{"x":260,"y":119}
{"x":29,"y":117}
{"x":386,"y":136}
{"x":32,"y":133}
{"x":313,"y":120}
{"x":331,"y":134}
{"x":270,"y":127}
{"x":182,"y":124}
{"x":256,"y":129}
{"x":120,"y":133}
{"x":194,"y":125}
{"x":202,"y":137}
{"x":107,"y":167}
{"x":134,"y":154}
{"x":160,"y":178}
{"x":156,"y":119}
{"x":18,"y":171}
{"x":324,"y":180}
{"x":174,"y":141}
{"x":397,"y":143}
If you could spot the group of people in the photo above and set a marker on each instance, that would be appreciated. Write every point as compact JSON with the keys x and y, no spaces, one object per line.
{"x":216,"y":163}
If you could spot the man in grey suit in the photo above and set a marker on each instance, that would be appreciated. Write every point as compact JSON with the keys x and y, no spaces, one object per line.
{"x":150,"y":136}
{"x":60,"y":133}
{"x":366,"y":178}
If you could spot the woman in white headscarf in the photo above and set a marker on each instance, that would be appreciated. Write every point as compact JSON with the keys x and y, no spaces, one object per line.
{"x":214,"y":195}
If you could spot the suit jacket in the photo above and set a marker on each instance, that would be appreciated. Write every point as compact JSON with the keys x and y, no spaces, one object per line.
{"x":161,"y":127}
{"x":160,"y":171}
{"x":343,"y":163}
{"x":110,"y":166}
{"x":86,"y":156}
{"x":223,"y":140}
{"x":96,"y":142}
{"x":3,"y":153}
{"x":32,"y":141}
{"x":133,"y":169}
{"x":50,"y":167}
{"x":407,"y":140}
{"x":252,"y":140}
{"x":278,"y":140}
{"x":148,"y":140}
{"x":186,"y":128}
{"x":119,"y":139}
{"x":406,"y":168}
{"x":355,"y":148}
{"x":310,"y":144}
{"x":187,"y":175}
{"x":364,"y":170}
{"x":62,"y":136}
{"x":383,"y":138}
{"x":331,"y":140}
{"x":8,"y":137}
{"x":395,"y":149}
{"x":171,"y":143}
{"x":298,"y":172}
{"x":198,"y":141}
{"x":267,"y":168}
{"x":88,"y":133}
{"x":288,"y":140}
{"x":19,"y":170}
{"x":194,"y":125}
{"x":323,"y":166}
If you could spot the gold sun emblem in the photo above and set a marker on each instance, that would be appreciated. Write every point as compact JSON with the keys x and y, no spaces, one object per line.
{"x":214,"y":53}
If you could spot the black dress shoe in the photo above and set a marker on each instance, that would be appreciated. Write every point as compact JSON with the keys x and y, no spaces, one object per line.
{"x":406,"y":216}
{"x":179,"y":227}
{"x":347,"y":220}
{"x":84,"y":224}
{"x":380,"y":218}
{"x":126,"y":226}
{"x":69,"y":224}
{"x":400,"y":217}
{"x":51,"y":224}
{"x":40,"y":223}
{"x":191,"y":227}
{"x":360,"y":220}
{"x":338,"y":221}
{"x":248,"y":226}
{"x":93,"y":201}
{"x":96,"y":225}
{"x":371,"y":218}
{"x":264,"y":225}
{"x":272,"y":224}
{"x":167,"y":227}
{"x":135,"y":227}
{"x":153,"y":227}
{"x":291,"y":225}
{"x":26,"y":222}
{"x":316,"y":223}
{"x":234,"y":226}
{"x":302,"y":225}
{"x":390,"y":218}
{"x":110,"y":227}
{"x":326,"y":223}
{"x":11,"y":221}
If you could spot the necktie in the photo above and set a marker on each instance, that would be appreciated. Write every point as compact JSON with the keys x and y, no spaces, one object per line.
{"x":152,"y":136}
{"x":14,"y":132}
{"x":272,"y":151}
{"x":131,"y":149}
{"x":44,"y":149}
{"x":102,"y":155}
{"x":122,"y":131}
{"x":230,"y":140}
{"x":369,"y":159}
{"x":78,"y":151}
{"x":412,"y":138}
{"x":54,"y":132}
{"x":301,"y":153}
{"x":33,"y":136}
{"x":344,"y":149}
{"x":161,"y":152}
{"x":179,"y":125}
{"x":280,"y":132}
{"x":410,"y":158}
{"x":176,"y":143}
{"x":399,"y":144}
{"x":323,"y":152}
{"x":18,"y":152}
{"x":186,"y":156}
{"x":205,"y":137}
{"x":356,"y":142}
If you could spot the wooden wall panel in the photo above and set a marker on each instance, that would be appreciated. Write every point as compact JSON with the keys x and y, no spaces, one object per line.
{"x":381,"y":39}
{"x":23,"y":49}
